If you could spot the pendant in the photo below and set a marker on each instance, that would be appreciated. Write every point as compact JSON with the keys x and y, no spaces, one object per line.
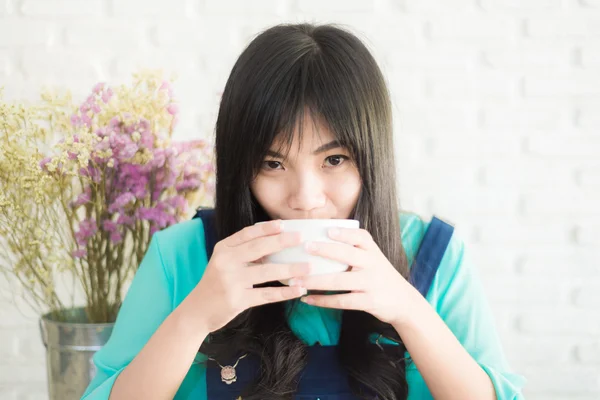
{"x":228,"y":374}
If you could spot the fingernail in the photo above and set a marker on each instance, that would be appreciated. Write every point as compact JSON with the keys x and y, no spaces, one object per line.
{"x":334,"y":232}
{"x":304,"y":291}
{"x":307,"y":300}
{"x":294,"y":282}
{"x":310,"y":246}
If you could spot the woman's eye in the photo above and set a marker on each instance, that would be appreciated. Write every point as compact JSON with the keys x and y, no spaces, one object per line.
{"x":336,"y":160}
{"x":272,"y":164}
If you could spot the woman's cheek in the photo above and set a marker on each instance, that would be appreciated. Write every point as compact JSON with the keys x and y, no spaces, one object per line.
{"x":267,"y":190}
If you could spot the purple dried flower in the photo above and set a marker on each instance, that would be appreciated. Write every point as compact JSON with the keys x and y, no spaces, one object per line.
{"x":157,"y":215}
{"x":87,"y":229}
{"x":79,"y":253}
{"x":121,"y":201}
{"x":83,"y":198}
{"x":125,"y":220}
{"x":109,"y":225}
{"x":44,"y":162}
{"x":114,"y":124}
{"x":91,"y":172}
{"x":187,"y":184}
{"x":147,"y":139}
{"x":177,"y":202}
{"x":116,"y":237}
{"x":154,"y":229}
{"x":128,"y":150}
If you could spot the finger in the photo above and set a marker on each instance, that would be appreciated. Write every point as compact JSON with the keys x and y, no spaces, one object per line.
{"x":347,"y":301}
{"x":339,"y":252}
{"x":360,"y":238}
{"x":259,"y":296}
{"x":264,"y":273}
{"x":252,"y":232}
{"x":262,"y":246}
{"x":352,"y":281}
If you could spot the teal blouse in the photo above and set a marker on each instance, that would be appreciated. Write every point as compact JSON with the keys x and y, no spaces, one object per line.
{"x":175,"y":262}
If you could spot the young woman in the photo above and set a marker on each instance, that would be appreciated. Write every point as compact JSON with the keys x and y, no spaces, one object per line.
{"x":304,"y":131}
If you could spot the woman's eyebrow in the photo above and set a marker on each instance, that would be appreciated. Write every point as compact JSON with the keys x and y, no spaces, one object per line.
{"x":334,"y":144}
{"x":274,"y":154}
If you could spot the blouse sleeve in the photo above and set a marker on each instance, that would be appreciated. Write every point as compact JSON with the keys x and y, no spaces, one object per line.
{"x":147,"y":304}
{"x":458,"y":296}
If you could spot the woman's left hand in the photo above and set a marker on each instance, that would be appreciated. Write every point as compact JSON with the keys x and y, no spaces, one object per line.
{"x":375,"y":285}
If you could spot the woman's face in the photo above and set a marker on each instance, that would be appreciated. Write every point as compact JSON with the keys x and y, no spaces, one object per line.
{"x":316,"y":180}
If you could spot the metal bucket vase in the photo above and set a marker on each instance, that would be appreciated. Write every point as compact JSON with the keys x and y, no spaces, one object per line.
{"x":70,"y":347}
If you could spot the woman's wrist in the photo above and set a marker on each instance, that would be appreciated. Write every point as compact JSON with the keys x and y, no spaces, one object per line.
{"x":412,"y":306}
{"x":192,"y":319}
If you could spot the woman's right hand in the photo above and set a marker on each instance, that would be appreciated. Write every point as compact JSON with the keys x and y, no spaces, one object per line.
{"x":227,"y":286}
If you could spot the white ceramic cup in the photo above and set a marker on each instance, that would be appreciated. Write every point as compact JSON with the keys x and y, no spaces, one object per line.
{"x":312,"y":230}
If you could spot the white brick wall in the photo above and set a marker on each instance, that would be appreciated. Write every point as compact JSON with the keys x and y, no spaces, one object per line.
{"x":497,"y":115}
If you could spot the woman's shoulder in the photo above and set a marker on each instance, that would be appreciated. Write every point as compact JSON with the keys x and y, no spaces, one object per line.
{"x":182,"y":251}
{"x":412,"y":229}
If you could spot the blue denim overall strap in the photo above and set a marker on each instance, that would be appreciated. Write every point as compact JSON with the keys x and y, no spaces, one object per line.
{"x":207,"y":215}
{"x":323,"y":377}
{"x":430,"y":254}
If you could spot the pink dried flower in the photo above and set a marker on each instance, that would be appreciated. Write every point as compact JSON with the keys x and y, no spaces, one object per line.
{"x":173,"y":109}
{"x":107,"y":95}
{"x":86,"y":120}
{"x":75,"y":120}
{"x":98,"y":88}
{"x":79,"y":253}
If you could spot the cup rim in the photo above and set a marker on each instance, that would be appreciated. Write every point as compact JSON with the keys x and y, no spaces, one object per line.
{"x":339,"y":222}
{"x":315,"y":221}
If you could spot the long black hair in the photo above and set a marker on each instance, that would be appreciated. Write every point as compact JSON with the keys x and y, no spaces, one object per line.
{"x":284,"y":71}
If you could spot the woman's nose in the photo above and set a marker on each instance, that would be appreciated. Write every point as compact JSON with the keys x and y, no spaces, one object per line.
{"x":306,"y":192}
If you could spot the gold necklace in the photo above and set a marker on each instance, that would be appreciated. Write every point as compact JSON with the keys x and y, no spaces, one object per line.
{"x":228,"y":374}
